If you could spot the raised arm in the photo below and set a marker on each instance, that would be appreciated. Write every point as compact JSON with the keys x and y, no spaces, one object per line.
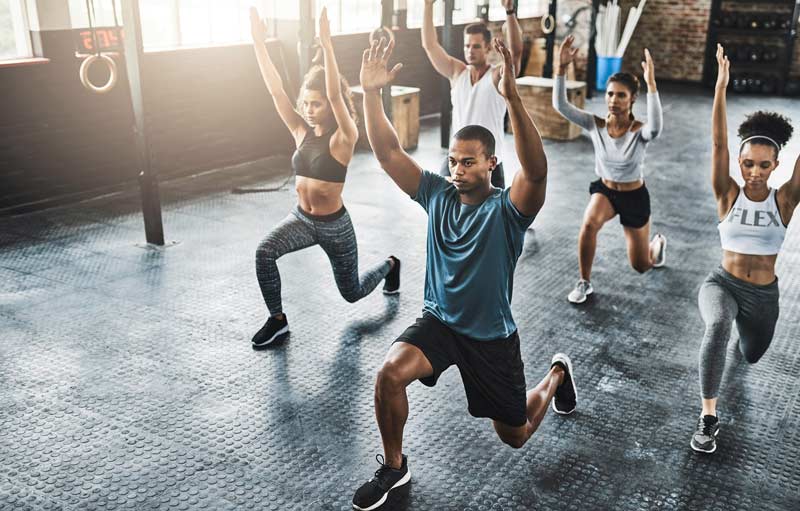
{"x":530,"y":184}
{"x":382,"y":137}
{"x":789,"y":192}
{"x":725,"y":188}
{"x":297,"y":126}
{"x":573,"y":114}
{"x":348,"y":132}
{"x":444,"y":64}
{"x":655,"y":117}
{"x":513,"y":34}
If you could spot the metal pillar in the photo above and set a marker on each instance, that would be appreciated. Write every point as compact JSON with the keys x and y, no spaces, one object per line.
{"x":591,"y":64}
{"x":447,"y":40}
{"x":305,"y":35}
{"x":148,"y":178}
{"x":550,"y":41}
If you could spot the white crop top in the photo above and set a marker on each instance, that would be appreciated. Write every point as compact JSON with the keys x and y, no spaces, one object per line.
{"x":753,"y":228}
{"x":616,"y":159}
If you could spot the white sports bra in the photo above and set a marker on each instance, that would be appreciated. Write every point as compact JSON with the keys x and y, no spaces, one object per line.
{"x":753,"y":228}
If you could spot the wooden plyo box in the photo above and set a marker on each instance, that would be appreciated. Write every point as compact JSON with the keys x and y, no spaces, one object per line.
{"x":405,"y":115}
{"x":537,"y":96}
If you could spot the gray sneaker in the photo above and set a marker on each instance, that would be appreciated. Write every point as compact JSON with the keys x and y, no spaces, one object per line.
{"x":661,"y":258}
{"x":582,"y":289}
{"x":705,"y":436}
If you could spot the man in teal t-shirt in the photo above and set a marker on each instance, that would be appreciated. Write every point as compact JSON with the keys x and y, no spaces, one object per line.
{"x":475,"y":236}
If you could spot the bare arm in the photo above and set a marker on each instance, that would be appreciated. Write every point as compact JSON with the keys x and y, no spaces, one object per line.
{"x":514,"y":34}
{"x":385,"y":145}
{"x":530,"y":184}
{"x":347,"y":126}
{"x":297,"y":126}
{"x":789,"y":193}
{"x":723,"y":184}
{"x":443,"y":63}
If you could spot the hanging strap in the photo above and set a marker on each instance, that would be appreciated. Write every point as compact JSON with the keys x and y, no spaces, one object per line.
{"x":90,"y":15}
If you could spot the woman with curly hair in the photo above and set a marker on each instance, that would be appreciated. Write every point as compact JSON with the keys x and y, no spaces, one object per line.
{"x":325,"y":135}
{"x":752,"y":225}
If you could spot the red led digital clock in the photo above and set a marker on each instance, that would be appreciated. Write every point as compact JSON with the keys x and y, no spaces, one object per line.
{"x":108,"y":39}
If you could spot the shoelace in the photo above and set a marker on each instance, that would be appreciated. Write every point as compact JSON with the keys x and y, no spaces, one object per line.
{"x":583,"y":286}
{"x":382,"y":473}
{"x":705,"y":427}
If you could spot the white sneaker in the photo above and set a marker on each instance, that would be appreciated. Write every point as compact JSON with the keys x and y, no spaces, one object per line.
{"x":582,"y":289}
{"x":661,"y":258}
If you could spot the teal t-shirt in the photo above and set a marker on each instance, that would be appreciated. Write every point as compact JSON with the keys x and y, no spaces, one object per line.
{"x":472,"y":254}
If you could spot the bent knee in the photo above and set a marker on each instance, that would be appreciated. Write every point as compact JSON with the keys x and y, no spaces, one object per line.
{"x":591,"y":226}
{"x":267,"y":250}
{"x":390,"y":378}
{"x":641,"y":266}
{"x":351,"y":296}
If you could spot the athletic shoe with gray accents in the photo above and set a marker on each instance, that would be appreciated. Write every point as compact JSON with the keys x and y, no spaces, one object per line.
{"x":705,"y":437}
{"x":272,"y":330}
{"x":566,"y":397}
{"x":661,"y":258}
{"x":582,"y":289}
{"x":374,"y":492}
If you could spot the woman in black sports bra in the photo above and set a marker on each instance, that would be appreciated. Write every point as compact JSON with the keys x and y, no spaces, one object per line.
{"x":325,"y":135}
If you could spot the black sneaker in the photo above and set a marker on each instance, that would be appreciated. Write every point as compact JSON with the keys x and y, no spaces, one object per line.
{"x":705,"y":437}
{"x":566,"y":397}
{"x":392,"y":284}
{"x":373,"y":493}
{"x":271,"y":330}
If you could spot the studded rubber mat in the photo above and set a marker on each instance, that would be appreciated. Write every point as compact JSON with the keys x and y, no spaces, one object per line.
{"x":127,"y":379}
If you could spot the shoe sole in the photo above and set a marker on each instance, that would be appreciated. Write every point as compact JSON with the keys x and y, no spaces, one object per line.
{"x":704,"y":451}
{"x":574,"y":387}
{"x":584,"y":297}
{"x":395,"y":292}
{"x":663,"y":253}
{"x":405,"y":479}
{"x":282,"y":331}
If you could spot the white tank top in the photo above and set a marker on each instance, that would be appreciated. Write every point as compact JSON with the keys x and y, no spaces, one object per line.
{"x":753,"y":228}
{"x":479,"y":104}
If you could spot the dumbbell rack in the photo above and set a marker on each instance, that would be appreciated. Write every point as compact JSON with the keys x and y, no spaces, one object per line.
{"x":759,"y":43}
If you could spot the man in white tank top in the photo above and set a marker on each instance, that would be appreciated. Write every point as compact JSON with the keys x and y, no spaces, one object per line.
{"x":473,"y":85}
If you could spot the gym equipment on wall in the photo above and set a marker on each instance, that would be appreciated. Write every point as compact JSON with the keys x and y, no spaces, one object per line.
{"x":95,"y":40}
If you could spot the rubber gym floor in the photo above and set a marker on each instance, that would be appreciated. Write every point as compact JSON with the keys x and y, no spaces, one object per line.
{"x":129,"y":381}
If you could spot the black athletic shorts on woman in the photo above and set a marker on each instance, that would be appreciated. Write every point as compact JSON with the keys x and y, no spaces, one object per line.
{"x":633,"y":207}
{"x":492,"y":371}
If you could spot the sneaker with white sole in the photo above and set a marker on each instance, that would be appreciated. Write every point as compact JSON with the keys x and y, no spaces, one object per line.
{"x":566,"y":397}
{"x":373,"y":493}
{"x":273,"y":329}
{"x":582,"y":289}
{"x":661,"y":257}
{"x":705,"y":436}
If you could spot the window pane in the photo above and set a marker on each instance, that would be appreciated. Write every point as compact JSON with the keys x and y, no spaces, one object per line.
{"x":14,"y":33}
{"x":416,"y":9}
{"x":103,"y":13}
{"x":351,"y":16}
{"x":159,"y":23}
{"x":8,"y":40}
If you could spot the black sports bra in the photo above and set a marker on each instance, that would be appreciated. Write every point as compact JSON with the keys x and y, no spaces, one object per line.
{"x":313,"y":159}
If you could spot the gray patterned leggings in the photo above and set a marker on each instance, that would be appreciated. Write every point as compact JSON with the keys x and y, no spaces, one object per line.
{"x":724,"y":299}
{"x":335,"y":234}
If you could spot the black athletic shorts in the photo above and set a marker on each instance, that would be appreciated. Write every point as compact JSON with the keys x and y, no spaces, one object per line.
{"x":492,"y":371}
{"x":633,"y":207}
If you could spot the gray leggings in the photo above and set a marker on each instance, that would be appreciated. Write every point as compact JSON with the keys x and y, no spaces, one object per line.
{"x":724,"y":299}
{"x":335,"y":234}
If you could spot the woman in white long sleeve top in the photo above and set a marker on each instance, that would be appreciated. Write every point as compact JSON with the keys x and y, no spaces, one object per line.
{"x":619,"y":142}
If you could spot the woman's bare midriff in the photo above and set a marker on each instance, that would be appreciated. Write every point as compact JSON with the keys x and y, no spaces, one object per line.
{"x":755,"y":269}
{"x":624,"y":187}
{"x":318,"y":197}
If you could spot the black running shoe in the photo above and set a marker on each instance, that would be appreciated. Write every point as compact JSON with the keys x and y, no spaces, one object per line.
{"x":566,"y":398}
{"x":705,"y":437}
{"x":392,"y":284}
{"x":272,"y":330}
{"x":373,"y":493}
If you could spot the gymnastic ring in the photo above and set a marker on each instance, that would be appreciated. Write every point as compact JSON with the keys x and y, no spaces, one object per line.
{"x":374,"y":34}
{"x":112,"y":73}
{"x":548,"y":24}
